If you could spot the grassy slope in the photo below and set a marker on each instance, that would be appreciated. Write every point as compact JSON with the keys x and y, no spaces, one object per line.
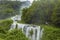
{"x":51,"y":33}
{"x":4,"y":27}
{"x":16,"y":35}
{"x":1,"y":39}
{"x":10,"y":35}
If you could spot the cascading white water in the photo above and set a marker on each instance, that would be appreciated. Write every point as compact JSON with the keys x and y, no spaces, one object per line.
{"x":13,"y":26}
{"x":26,"y":28}
{"x":37,"y":31}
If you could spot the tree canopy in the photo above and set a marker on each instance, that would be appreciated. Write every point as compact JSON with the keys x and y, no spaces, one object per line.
{"x":43,"y":11}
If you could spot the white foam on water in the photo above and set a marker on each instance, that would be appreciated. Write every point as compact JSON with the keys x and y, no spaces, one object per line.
{"x":26,"y":28}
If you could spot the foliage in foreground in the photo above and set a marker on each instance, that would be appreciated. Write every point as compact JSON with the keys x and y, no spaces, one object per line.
{"x":50,"y":33}
{"x":13,"y":35}
{"x":5,"y":34}
{"x":16,"y":35}
{"x":5,"y":25}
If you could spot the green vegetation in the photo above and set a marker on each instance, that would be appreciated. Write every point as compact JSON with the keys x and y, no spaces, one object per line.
{"x":31,"y":32}
{"x":13,"y":35}
{"x":50,"y":33}
{"x":5,"y":25}
{"x":1,"y":39}
{"x":5,"y":34}
{"x":16,"y":35}
{"x":9,"y":8}
{"x":43,"y":11}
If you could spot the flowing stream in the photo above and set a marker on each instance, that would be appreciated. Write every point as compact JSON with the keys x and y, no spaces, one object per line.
{"x":33,"y":32}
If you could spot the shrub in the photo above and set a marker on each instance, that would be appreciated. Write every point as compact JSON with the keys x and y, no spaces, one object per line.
{"x":51,"y":33}
{"x":5,"y":25}
{"x":16,"y":35}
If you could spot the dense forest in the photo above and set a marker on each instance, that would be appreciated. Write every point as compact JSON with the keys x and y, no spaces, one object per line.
{"x":42,"y":12}
{"x":9,"y":9}
{"x":45,"y":13}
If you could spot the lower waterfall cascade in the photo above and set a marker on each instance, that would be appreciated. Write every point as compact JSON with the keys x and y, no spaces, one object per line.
{"x":33,"y":32}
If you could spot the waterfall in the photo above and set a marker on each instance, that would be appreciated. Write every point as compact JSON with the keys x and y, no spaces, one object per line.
{"x":33,"y":32}
{"x":26,"y":28}
{"x":13,"y":26}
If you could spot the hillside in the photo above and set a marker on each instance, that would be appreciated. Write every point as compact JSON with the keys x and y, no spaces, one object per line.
{"x":8,"y":9}
{"x":45,"y":13}
{"x":5,"y":34}
{"x":42,"y":12}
